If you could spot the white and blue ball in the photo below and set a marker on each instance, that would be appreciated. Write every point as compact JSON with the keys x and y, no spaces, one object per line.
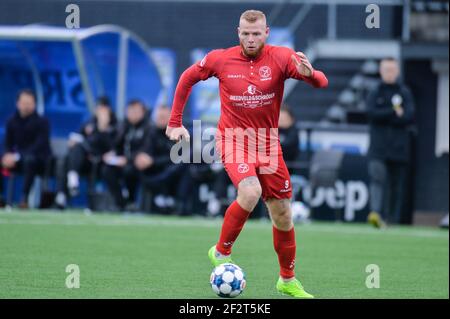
{"x":228,"y":280}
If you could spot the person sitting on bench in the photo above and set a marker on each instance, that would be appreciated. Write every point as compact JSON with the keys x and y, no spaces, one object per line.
{"x":27,"y":142}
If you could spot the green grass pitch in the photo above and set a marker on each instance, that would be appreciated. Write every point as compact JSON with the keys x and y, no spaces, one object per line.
{"x":124,"y":256}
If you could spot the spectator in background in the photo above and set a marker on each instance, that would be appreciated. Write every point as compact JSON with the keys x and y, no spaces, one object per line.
{"x":96,"y":137}
{"x":27,"y":142}
{"x":390,"y":109}
{"x":159,"y":174}
{"x":134,"y":133}
{"x":288,"y":134}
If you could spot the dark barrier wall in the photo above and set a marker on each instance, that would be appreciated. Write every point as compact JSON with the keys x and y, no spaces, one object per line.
{"x":431,"y":172}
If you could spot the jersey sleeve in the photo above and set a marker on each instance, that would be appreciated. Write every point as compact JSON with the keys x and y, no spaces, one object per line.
{"x":209,"y":66}
{"x":200,"y":71}
{"x":317,"y":79}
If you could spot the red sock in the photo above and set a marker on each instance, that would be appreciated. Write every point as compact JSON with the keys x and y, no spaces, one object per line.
{"x":284,"y":244}
{"x":233,"y":222}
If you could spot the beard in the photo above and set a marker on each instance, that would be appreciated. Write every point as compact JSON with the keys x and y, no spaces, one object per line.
{"x":253,"y":53}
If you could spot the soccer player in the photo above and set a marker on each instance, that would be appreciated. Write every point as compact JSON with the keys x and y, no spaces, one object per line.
{"x":251,"y":79}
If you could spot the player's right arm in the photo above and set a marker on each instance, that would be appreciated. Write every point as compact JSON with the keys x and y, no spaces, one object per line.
{"x":202,"y":70}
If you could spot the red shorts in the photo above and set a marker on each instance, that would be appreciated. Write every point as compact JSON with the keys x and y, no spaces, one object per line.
{"x":274,"y":177}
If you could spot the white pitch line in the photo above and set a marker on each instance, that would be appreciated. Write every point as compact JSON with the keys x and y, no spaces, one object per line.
{"x":68,"y":220}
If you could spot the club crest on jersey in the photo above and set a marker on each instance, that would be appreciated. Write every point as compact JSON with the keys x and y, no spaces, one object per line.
{"x":265,"y":73}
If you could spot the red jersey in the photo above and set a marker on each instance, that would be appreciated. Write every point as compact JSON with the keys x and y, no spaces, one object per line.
{"x":251,"y":89}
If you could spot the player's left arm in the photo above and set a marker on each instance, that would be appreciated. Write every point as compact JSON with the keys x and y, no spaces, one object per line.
{"x":299,"y":67}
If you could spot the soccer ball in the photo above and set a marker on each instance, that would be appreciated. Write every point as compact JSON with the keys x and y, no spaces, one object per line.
{"x":300,"y":212}
{"x":228,"y":280}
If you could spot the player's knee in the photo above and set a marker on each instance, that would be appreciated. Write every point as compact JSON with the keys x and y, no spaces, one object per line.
{"x":282,"y":216}
{"x":249,"y":196}
{"x":285,"y":220}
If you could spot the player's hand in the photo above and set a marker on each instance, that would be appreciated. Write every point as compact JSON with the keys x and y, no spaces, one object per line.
{"x":121,"y":161}
{"x":89,"y":129}
{"x":9,"y":160}
{"x":399,"y":111}
{"x":304,"y":67}
{"x":111,"y":158}
{"x":108,"y":156}
{"x":143,"y":161}
{"x":71,"y":143}
{"x":178,"y":133}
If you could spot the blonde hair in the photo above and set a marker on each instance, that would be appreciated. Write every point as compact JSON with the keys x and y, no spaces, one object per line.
{"x":252,"y":16}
